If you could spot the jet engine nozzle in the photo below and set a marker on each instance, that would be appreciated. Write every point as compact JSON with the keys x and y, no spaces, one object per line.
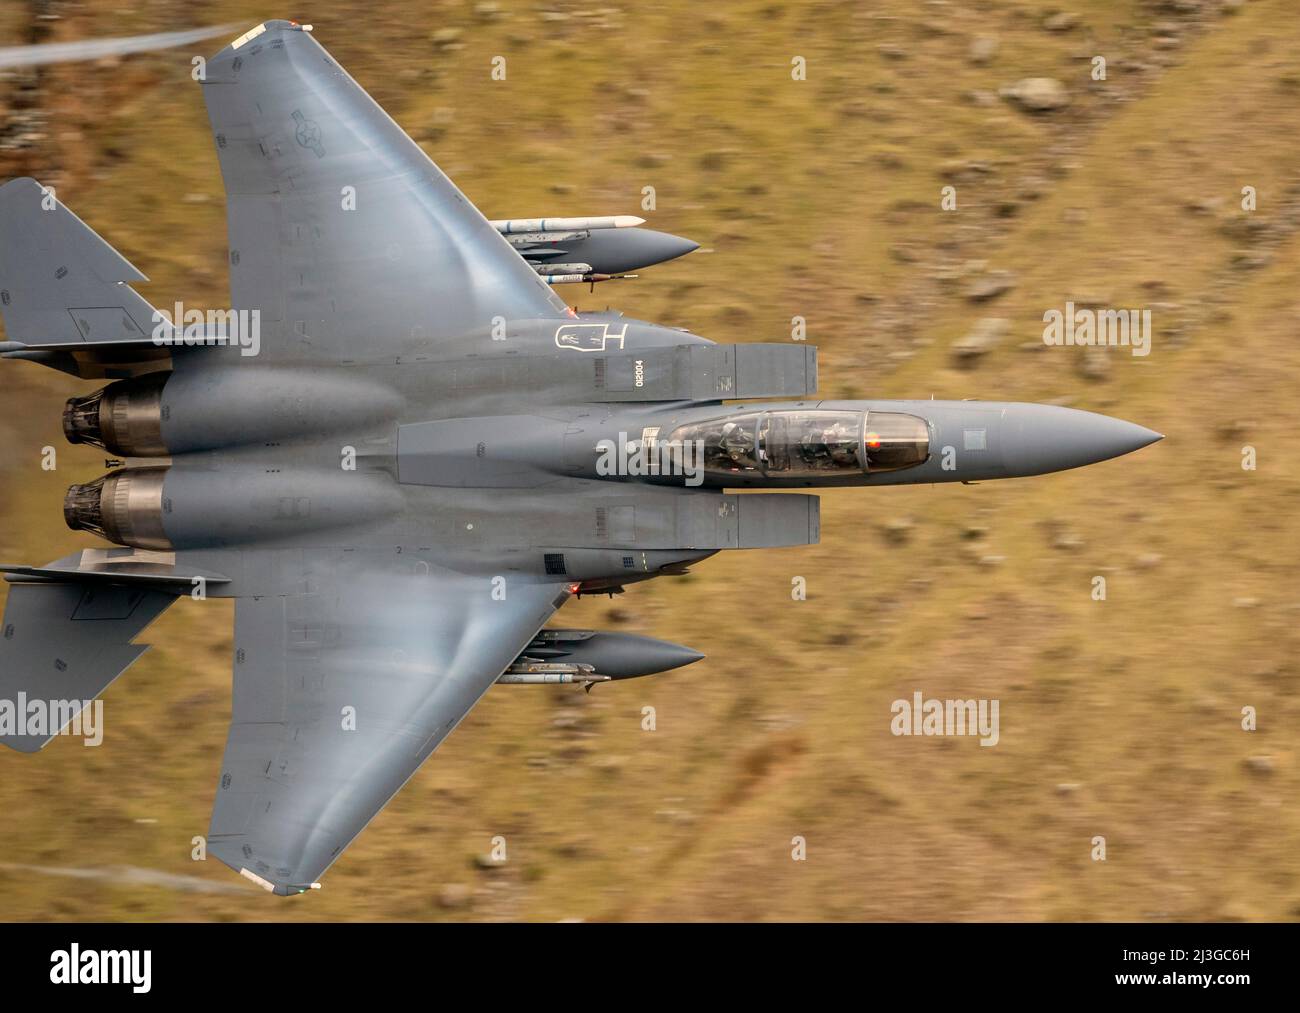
{"x":124,"y":417}
{"x":123,"y":506}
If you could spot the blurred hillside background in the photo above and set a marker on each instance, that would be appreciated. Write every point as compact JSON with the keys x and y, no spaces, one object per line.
{"x":820,"y":199}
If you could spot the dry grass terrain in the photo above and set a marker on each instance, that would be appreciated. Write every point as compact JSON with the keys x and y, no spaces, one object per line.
{"x":820,"y":199}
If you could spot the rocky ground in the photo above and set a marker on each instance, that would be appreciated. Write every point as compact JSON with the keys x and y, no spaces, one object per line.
{"x":821,"y":199}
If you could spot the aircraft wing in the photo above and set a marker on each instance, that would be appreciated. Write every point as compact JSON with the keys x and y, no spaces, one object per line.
{"x":345,"y":236}
{"x":341,"y":692}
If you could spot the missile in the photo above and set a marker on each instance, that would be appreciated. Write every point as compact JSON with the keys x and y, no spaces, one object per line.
{"x":528,"y":672}
{"x":545,"y":269}
{"x":523,"y":240}
{"x":590,"y":276}
{"x":509,"y":226}
{"x":587,"y":250}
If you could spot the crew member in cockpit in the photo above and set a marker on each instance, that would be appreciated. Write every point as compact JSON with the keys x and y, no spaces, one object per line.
{"x":845,"y":455}
{"x":842,"y":443}
{"x":737,"y":443}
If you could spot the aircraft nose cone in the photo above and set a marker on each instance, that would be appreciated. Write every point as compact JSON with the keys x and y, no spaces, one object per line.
{"x":1043,"y":438}
{"x":683,"y":656}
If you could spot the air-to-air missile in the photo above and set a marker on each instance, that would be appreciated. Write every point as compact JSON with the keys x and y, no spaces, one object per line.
{"x":588,"y":250}
{"x":566,"y":274}
{"x":525,"y":227}
{"x":526,"y":672}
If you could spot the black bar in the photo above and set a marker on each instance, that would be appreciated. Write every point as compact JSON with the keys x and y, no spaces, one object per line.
{"x":244,"y":962}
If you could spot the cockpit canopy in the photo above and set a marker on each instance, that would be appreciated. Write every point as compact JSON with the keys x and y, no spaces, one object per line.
{"x":798,"y":443}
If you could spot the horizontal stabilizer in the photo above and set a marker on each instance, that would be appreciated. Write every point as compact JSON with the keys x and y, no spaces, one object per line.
{"x":61,"y":646}
{"x":135,"y":567}
{"x":112,"y":360}
{"x":59,"y":281}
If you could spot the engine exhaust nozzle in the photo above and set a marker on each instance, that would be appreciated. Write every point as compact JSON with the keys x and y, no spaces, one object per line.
{"x":125,"y":507}
{"x":124,"y":417}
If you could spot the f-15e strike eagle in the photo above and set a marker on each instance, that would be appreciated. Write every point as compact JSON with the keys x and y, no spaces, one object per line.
{"x":427,"y":456}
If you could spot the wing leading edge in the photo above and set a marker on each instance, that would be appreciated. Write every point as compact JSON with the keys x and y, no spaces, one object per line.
{"x":341,"y":692}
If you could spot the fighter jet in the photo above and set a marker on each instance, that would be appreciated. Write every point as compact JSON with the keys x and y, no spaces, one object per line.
{"x":401,"y":453}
